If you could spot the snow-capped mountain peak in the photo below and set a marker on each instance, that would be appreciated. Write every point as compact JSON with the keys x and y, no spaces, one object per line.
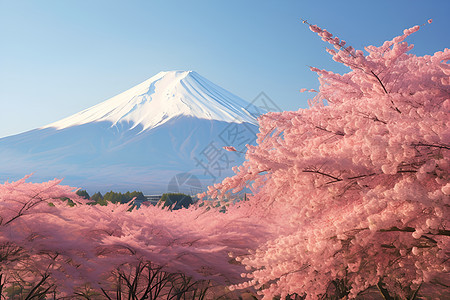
{"x":174,"y":123}
{"x":162,"y":97}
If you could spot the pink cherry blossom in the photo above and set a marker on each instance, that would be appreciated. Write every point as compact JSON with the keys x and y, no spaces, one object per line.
{"x":230,"y":148}
{"x":61,"y":249}
{"x":358,"y":184}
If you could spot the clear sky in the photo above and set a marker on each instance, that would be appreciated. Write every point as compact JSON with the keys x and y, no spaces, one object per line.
{"x":59,"y":57}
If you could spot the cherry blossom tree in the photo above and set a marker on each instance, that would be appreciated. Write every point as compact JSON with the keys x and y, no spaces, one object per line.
{"x":358,"y":184}
{"x":50,"y":248}
{"x":25,"y":269}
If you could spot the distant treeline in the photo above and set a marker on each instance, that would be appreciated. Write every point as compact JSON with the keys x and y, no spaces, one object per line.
{"x":112,"y":197}
{"x":173,"y":201}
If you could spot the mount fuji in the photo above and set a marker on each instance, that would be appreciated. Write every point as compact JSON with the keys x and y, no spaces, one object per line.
{"x":165,"y":134}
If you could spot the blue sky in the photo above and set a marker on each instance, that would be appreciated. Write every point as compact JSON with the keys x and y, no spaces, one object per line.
{"x":59,"y":57}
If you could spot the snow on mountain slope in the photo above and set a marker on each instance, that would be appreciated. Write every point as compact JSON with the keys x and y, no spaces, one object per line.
{"x":174,"y":123}
{"x":163,"y":97}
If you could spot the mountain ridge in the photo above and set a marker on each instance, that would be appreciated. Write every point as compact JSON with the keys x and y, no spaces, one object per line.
{"x":117,"y":145}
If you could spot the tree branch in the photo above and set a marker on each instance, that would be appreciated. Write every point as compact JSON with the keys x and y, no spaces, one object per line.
{"x":447,"y":147}
{"x":322,"y":173}
{"x":383,"y":291}
{"x":385,"y":90}
{"x":336,"y":133}
{"x":443,"y":232}
{"x":379,"y":80}
{"x":41,"y":282}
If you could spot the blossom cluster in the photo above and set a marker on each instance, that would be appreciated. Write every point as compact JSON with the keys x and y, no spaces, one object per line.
{"x":47,"y":245}
{"x":358,"y":184}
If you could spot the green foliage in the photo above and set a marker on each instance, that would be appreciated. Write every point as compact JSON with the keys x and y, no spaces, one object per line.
{"x":175,"y":201}
{"x":218,"y":205}
{"x":97,"y":198}
{"x":115,"y":197}
{"x":138,"y":195}
{"x":222,"y":205}
{"x":69,"y":202}
{"x":83,"y":194}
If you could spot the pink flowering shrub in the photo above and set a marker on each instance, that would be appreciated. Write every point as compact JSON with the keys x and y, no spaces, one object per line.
{"x":358,"y":184}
